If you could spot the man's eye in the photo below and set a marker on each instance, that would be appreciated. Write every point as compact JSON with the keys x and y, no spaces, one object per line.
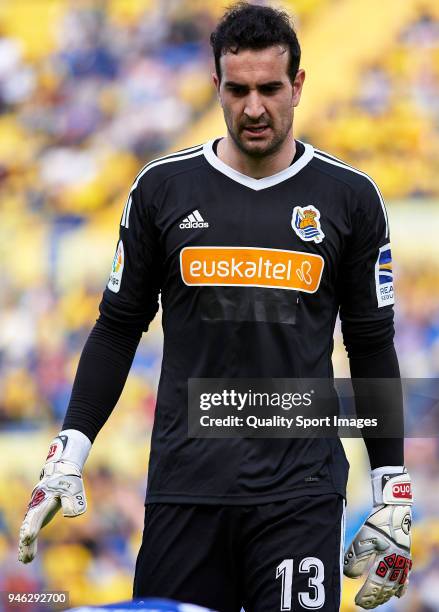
{"x":237,"y":91}
{"x":269,"y":90}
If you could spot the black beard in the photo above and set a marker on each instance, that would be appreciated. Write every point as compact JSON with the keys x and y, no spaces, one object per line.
{"x":272,"y":148}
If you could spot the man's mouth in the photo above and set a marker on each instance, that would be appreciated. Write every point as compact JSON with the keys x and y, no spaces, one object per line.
{"x":256,"y":129}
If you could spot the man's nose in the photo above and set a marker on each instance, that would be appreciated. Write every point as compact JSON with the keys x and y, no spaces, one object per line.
{"x":254,"y":107}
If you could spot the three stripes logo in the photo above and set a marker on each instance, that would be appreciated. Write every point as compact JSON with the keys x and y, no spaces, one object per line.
{"x":126,"y":212}
{"x":182,"y":155}
{"x":193,"y":220}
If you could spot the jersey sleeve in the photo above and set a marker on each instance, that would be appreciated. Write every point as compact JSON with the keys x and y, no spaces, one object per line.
{"x":366,"y":278}
{"x":131,"y":297}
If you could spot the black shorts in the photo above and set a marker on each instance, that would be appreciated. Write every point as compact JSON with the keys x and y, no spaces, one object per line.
{"x":271,"y":557}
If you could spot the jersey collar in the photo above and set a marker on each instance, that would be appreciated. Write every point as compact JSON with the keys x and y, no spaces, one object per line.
{"x":262,"y":183}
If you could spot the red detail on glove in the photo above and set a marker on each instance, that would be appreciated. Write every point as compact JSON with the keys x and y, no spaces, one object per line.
{"x":405,"y":573}
{"x":402,"y":490}
{"x":390,"y":560}
{"x":52,"y":451}
{"x":381,"y":569}
{"x":394,"y":564}
{"x":37,"y":498}
{"x":394,"y":575}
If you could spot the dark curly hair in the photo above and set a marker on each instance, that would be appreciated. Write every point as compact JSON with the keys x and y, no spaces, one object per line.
{"x":250,"y":26}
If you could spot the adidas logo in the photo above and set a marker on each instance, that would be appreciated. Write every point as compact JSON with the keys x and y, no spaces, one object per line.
{"x":193,"y":220}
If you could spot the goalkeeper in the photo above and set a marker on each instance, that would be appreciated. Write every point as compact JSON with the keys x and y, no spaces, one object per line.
{"x":254,"y":242}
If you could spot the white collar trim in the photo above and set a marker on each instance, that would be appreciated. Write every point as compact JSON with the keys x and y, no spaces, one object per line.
{"x":262,"y":183}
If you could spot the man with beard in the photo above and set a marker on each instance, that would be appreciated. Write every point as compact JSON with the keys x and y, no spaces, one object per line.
{"x":255,"y":241}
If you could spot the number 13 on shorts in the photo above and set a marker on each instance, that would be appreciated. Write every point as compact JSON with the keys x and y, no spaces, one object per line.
{"x":314,"y":597}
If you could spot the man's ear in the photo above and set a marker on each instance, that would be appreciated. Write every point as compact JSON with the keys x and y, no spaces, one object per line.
{"x":217,"y":84}
{"x":298,"y":86}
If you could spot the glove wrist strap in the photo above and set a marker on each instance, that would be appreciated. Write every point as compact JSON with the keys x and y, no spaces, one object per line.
{"x":391,"y":485}
{"x":71,"y":446}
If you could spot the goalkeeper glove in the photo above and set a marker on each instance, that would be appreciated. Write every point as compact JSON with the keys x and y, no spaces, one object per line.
{"x":382,"y":545}
{"x":60,"y":485}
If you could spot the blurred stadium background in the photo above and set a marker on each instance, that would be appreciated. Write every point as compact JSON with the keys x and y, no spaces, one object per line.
{"x":89,"y":92}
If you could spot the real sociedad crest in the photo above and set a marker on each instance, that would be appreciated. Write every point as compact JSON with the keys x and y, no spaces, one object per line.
{"x":306,"y":223}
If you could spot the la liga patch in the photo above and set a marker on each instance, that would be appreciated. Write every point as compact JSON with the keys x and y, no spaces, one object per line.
{"x":384,"y":277}
{"x":117,"y":269}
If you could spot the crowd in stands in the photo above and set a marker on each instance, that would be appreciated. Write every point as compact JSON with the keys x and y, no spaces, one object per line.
{"x":106,"y":94}
{"x":110,"y":91}
{"x":390,"y":127}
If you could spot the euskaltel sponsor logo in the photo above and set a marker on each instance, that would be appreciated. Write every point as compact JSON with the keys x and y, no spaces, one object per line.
{"x":251,"y":267}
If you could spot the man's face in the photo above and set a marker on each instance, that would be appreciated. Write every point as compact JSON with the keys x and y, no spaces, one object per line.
{"x":258,"y":98}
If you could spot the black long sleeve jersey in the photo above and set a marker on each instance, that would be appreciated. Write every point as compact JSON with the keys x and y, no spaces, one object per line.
{"x":251,"y":274}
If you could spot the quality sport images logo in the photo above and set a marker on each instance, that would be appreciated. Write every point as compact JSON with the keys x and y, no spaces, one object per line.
{"x":251,"y":267}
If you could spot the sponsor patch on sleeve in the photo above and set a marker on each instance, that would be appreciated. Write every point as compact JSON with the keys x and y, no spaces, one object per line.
{"x":384,"y":277}
{"x":116,"y":269}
